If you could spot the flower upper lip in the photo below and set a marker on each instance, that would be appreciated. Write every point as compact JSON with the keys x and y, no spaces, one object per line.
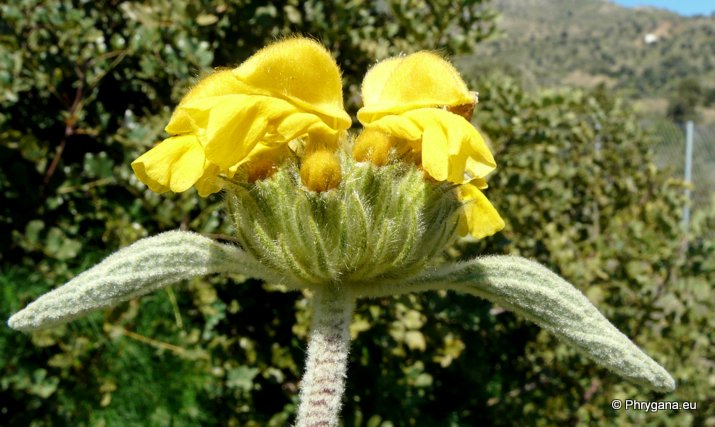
{"x":420,"y":80}
{"x":302,"y":72}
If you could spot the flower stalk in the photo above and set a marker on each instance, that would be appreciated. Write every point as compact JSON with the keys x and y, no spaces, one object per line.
{"x":323,"y":383}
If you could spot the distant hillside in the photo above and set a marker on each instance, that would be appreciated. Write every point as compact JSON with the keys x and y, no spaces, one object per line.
{"x":644,"y":52}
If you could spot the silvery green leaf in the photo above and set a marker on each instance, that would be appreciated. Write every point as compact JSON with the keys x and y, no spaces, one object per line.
{"x":543,"y":297}
{"x":137,"y":269}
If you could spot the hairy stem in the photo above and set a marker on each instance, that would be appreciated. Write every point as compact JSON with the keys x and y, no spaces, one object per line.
{"x":321,"y":390}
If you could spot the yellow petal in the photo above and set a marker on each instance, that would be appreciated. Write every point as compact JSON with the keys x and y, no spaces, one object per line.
{"x":465,"y":147}
{"x":478,"y":167}
{"x":398,"y":126}
{"x":229,"y":126}
{"x":481,"y":218}
{"x":301,"y":71}
{"x":221,"y":82}
{"x":209,"y":182}
{"x":480,"y":183}
{"x":298,"y":124}
{"x":232,"y":134}
{"x":374,"y":81}
{"x":450,"y":145}
{"x":420,"y":80}
{"x":435,"y":152}
{"x":174,"y":164}
{"x":463,"y":225}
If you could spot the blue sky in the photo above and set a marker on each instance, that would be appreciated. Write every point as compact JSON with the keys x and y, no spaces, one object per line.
{"x":683,"y":7}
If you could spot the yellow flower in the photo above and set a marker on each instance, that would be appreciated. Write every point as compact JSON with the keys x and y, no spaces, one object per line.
{"x":422,"y":105}
{"x":404,"y":98}
{"x":479,"y":218}
{"x":289,"y":90}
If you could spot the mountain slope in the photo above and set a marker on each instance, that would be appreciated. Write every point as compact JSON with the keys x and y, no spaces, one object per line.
{"x":644,"y":52}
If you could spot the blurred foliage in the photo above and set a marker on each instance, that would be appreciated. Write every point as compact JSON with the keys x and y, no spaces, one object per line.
{"x":87,"y":87}
{"x":682,"y":105}
{"x":588,"y":42}
{"x":577,"y":184}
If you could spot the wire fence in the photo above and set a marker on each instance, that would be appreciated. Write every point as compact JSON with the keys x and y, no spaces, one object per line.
{"x":696,"y":164}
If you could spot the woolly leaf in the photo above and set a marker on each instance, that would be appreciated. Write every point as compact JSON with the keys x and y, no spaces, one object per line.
{"x":142,"y":267}
{"x":543,"y":297}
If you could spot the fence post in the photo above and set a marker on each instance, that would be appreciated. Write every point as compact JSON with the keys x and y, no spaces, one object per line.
{"x":688,"y":171}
